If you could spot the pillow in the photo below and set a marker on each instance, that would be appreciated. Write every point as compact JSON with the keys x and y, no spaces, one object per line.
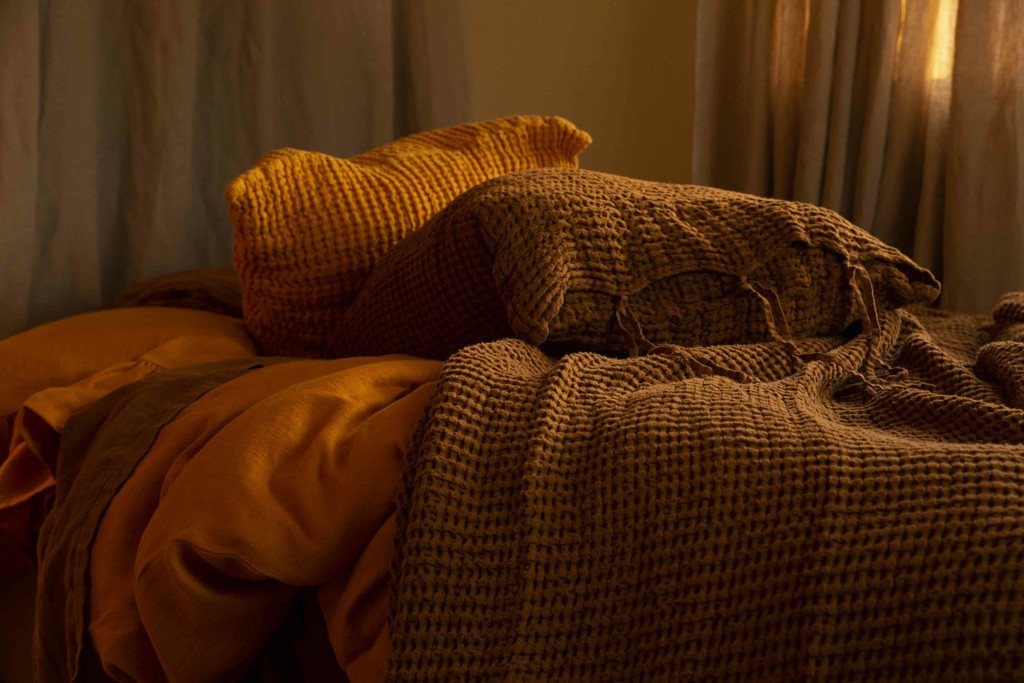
{"x":215,"y":290}
{"x":581,"y":260}
{"x":309,"y":227}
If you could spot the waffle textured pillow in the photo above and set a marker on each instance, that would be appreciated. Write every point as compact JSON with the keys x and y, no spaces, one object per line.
{"x":581,"y":260}
{"x":309,"y":227}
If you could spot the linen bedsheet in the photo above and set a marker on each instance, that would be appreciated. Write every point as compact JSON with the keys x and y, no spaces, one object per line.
{"x":54,"y":370}
{"x":847,"y":508}
{"x":205,"y":514}
{"x":113,"y":405}
{"x":48,"y":373}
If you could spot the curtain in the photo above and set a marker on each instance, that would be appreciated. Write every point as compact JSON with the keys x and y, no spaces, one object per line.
{"x":907,"y":117}
{"x":121,"y":122}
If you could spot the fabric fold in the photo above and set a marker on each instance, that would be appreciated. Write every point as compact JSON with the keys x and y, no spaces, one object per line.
{"x":590,"y":517}
{"x":84,"y":488}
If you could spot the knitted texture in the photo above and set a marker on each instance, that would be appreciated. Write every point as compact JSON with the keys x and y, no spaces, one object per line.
{"x":646,"y":519}
{"x":310,"y":227}
{"x":576,"y":259}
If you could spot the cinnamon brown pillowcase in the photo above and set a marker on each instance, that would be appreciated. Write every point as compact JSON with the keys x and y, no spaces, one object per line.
{"x":563,"y":256}
{"x":215,"y":290}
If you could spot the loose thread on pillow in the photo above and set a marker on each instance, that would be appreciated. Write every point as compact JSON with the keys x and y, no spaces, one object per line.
{"x":862,"y":297}
{"x":631,"y":328}
{"x":778,"y":326}
{"x":775,"y":318}
{"x":863,"y":294}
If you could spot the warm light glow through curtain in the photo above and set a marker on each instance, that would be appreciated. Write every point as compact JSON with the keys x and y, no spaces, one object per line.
{"x":905,"y":116}
{"x":121,"y":123}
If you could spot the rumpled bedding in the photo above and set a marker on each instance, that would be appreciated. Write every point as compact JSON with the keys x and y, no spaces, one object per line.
{"x":47,"y":374}
{"x":52,"y":371}
{"x":851,"y":508}
{"x":217,"y":514}
{"x":209,"y":503}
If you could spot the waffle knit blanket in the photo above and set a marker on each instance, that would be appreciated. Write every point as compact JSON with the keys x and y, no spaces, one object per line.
{"x":725,"y":513}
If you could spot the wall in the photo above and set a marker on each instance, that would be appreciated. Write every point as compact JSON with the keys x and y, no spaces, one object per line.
{"x":619,"y":69}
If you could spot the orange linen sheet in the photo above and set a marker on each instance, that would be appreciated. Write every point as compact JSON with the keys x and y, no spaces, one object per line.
{"x":283,"y":478}
{"x":52,"y":371}
{"x":65,"y":351}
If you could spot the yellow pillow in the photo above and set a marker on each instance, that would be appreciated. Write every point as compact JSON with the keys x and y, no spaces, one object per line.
{"x":309,"y":227}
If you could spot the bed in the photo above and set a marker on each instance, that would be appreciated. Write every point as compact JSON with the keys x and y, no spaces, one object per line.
{"x":463,"y":410}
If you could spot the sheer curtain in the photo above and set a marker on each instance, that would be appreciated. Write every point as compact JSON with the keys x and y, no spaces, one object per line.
{"x":121,"y":123}
{"x":906,"y":116}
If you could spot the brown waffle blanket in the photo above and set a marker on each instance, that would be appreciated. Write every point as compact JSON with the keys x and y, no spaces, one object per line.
{"x":727,"y":512}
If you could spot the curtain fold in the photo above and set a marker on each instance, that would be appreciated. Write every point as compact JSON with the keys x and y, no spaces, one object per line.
{"x":905,"y":116}
{"x":122,"y":122}
{"x":19,"y":158}
{"x":983,"y":244}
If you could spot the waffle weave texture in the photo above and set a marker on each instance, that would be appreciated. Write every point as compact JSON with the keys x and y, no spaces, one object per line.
{"x":309,"y":227}
{"x":558,"y":256}
{"x":643,"y":519}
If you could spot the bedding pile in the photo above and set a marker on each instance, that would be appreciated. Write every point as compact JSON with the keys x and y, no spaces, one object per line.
{"x":198,"y":509}
{"x":59,"y":368}
{"x":725,"y":512}
{"x":624,"y":430}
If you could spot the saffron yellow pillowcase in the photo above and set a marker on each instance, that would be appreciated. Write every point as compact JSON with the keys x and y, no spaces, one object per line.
{"x":309,"y":227}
